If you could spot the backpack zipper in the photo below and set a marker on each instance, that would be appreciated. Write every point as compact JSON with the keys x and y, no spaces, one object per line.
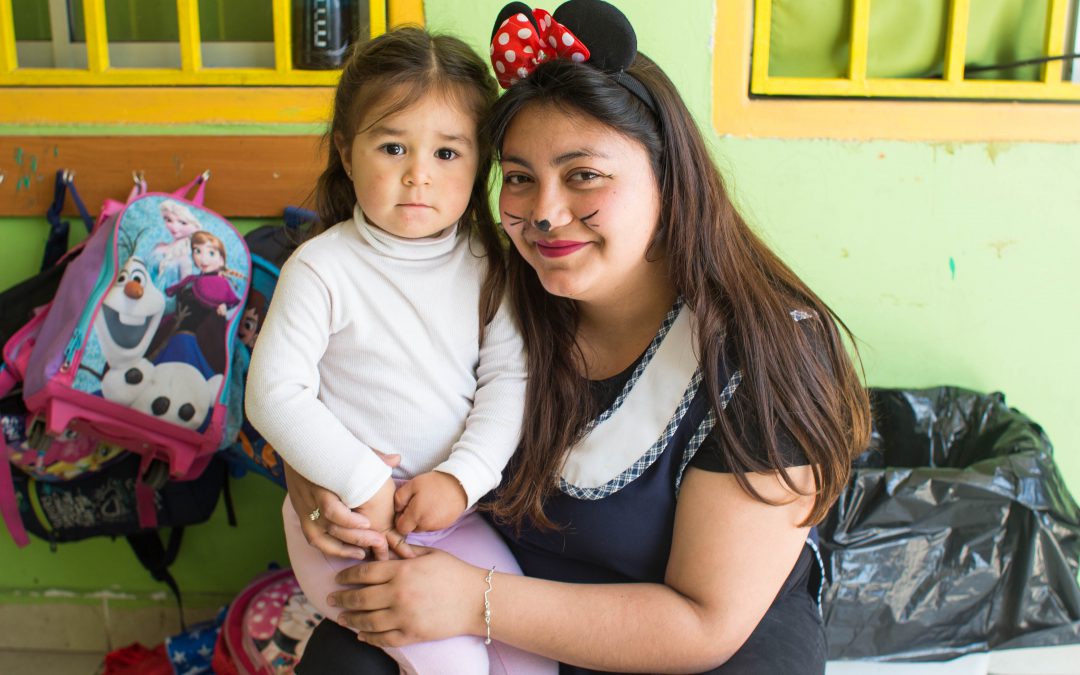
{"x":74,"y":347}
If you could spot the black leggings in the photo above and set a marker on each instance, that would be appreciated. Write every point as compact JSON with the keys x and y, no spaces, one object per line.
{"x":334,"y":650}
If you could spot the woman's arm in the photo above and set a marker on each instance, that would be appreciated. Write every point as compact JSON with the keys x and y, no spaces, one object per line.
{"x":730,"y":556}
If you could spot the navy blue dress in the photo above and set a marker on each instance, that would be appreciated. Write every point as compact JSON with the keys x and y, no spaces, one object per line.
{"x":625,"y":535}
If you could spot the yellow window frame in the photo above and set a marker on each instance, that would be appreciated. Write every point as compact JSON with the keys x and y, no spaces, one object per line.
{"x":192,"y":94}
{"x":742,"y":86}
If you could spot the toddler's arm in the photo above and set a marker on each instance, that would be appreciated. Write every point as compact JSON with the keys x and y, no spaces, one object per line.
{"x":493,"y":427}
{"x":283,"y":384}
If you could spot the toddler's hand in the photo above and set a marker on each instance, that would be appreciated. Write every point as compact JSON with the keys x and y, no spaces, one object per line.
{"x":430,"y":501}
{"x":379,"y":511}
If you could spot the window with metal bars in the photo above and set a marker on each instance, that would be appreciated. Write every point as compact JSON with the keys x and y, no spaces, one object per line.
{"x":1020,"y":50}
{"x":920,"y":70}
{"x":185,"y":42}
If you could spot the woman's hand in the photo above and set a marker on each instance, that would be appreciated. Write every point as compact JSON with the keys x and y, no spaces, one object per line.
{"x":431,"y":597}
{"x":337,"y":531}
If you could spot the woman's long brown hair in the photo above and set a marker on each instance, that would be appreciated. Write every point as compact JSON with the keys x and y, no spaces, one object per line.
{"x":393,"y":71}
{"x":797,"y":377}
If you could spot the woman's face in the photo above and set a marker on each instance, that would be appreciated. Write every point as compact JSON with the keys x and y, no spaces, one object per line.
{"x":597,"y":190}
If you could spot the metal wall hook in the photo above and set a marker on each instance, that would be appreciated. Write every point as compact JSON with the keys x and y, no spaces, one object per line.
{"x":204,"y":176}
{"x":3,"y":175}
{"x":68,"y":176}
{"x":138,"y":176}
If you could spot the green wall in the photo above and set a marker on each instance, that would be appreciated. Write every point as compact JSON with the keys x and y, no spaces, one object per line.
{"x":952,"y":263}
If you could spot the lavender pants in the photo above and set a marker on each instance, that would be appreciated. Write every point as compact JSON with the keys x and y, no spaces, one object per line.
{"x":472,"y":540}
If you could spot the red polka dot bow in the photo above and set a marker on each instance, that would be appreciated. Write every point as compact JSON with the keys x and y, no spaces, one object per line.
{"x":517,"y":49}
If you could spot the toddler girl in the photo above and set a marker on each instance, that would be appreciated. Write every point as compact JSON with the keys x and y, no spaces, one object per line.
{"x":387,"y":331}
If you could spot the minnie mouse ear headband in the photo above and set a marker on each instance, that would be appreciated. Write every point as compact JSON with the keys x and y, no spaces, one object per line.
{"x":585,"y":31}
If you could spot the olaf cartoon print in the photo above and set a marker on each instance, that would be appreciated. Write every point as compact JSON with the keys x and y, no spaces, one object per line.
{"x":177,"y":392}
{"x":130,"y":314}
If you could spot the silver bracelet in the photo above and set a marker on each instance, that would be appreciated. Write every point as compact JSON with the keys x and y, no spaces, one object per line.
{"x":487,"y":606}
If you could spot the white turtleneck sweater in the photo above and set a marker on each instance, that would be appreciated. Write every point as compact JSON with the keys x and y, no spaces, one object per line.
{"x":373,"y":341}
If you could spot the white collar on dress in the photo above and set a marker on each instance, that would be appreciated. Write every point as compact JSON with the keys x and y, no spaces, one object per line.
{"x":622,"y":445}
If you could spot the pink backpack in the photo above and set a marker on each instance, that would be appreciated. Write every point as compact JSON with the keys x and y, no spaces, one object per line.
{"x":266,"y":628}
{"x":136,"y":348}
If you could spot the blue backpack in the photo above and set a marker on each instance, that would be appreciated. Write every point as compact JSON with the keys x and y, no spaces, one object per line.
{"x":270,"y":247}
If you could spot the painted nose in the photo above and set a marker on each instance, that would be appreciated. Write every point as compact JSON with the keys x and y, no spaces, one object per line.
{"x":133,"y":289}
{"x":550,"y":209}
{"x":551,"y":220}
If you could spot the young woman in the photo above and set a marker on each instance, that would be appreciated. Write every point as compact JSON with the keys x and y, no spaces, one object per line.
{"x":691,"y":410}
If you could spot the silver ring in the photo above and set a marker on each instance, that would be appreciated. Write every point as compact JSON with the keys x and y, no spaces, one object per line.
{"x":314,"y":515}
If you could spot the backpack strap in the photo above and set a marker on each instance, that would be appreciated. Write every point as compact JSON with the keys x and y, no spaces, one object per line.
{"x":88,"y":220}
{"x":111,"y":207}
{"x":144,"y":496}
{"x":9,"y":507}
{"x":199,"y":181}
{"x":296,"y":217}
{"x":156,"y":558}
{"x":57,"y":243}
{"x":230,"y":510}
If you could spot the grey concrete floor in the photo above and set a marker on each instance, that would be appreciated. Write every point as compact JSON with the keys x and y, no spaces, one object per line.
{"x":49,"y":663}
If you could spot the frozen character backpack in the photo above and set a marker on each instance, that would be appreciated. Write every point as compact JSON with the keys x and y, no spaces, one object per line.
{"x":74,"y":484}
{"x":129,"y":354}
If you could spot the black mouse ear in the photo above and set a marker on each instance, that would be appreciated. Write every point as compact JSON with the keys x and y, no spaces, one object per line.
{"x":602,"y":28}
{"x":509,"y":11}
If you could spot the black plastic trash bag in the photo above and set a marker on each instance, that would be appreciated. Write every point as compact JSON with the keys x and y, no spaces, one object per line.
{"x":956,"y":534}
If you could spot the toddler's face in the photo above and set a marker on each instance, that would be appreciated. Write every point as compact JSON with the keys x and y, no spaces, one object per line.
{"x":413,"y":170}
